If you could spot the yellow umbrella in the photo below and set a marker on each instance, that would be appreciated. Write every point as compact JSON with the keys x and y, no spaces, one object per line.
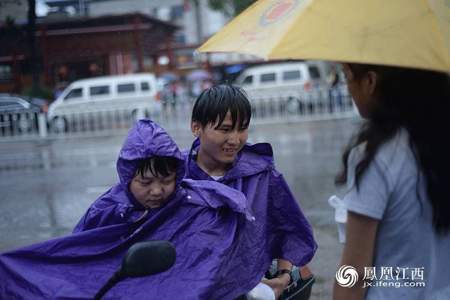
{"x":407,"y":33}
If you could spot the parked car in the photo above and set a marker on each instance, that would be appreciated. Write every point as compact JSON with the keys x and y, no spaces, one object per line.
{"x":135,"y":93}
{"x":22,"y":102}
{"x":299,"y":79}
{"x":17,"y":114}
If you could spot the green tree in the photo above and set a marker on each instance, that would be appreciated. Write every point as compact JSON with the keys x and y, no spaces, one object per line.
{"x":230,"y":8}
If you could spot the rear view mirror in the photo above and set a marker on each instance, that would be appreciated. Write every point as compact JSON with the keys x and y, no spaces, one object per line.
{"x":142,"y":259}
{"x":148,"y":258}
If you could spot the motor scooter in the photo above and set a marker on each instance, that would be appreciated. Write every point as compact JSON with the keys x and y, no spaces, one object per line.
{"x":153,"y":257}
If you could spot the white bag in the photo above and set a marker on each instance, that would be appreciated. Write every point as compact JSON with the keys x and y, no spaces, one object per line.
{"x":340,"y":216}
{"x":261,"y":292}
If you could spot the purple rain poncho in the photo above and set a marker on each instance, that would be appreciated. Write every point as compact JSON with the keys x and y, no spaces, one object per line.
{"x":206,"y":222}
{"x":280,"y":226}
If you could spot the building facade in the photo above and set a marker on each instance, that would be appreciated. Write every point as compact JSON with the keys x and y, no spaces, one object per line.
{"x":81,"y":47}
{"x":195,"y":19}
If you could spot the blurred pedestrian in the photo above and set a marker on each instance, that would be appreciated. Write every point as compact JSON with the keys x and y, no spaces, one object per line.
{"x":334,"y":96}
{"x":397,"y":171}
{"x":59,"y":88}
{"x":166,"y":96}
{"x":196,"y":88}
{"x":173,"y":92}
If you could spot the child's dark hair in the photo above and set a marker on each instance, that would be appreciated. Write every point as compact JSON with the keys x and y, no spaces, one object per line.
{"x":216,"y":101}
{"x":418,"y":101}
{"x":157,"y":165}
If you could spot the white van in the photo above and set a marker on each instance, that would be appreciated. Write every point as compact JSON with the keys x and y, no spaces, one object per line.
{"x":136,"y":93}
{"x":306,"y":75}
{"x":296,"y":83}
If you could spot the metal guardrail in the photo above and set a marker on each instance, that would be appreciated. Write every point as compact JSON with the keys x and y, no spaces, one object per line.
{"x":20,"y":125}
{"x":89,"y":123}
{"x":297,"y":105}
{"x":267,"y":107}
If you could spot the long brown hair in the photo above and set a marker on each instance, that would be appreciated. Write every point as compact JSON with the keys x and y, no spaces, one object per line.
{"x":418,"y":101}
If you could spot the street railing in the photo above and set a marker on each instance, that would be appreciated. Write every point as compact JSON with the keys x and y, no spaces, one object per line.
{"x":297,"y":105}
{"x":267,"y":107}
{"x":108,"y":122}
{"x":20,"y":125}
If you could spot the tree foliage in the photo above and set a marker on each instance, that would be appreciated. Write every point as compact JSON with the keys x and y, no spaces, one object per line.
{"x":230,"y":8}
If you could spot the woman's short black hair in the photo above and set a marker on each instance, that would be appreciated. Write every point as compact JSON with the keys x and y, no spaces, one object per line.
{"x":157,"y":165}
{"x":215,"y":102}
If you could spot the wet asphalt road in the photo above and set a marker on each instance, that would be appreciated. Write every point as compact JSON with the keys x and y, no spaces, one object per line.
{"x":46,"y":186}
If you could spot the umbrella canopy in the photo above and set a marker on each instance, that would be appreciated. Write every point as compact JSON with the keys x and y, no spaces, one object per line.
{"x":405,"y":33}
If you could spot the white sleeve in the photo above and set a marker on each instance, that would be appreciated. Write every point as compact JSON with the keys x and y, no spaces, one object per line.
{"x":375,"y":186}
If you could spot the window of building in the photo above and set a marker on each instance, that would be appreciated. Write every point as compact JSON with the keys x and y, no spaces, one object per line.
{"x":5,"y":73}
{"x":176,"y":12}
{"x":163,"y":13}
{"x":179,"y":37}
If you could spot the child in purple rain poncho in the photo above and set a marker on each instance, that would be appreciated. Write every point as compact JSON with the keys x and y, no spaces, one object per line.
{"x":207,"y":222}
{"x":220,"y":120}
{"x":147,"y":166}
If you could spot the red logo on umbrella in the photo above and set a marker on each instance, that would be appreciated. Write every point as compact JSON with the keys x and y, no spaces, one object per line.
{"x":278,"y":11}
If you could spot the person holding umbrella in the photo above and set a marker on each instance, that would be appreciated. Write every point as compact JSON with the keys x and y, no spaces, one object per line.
{"x":397,"y":173}
{"x":397,"y":63}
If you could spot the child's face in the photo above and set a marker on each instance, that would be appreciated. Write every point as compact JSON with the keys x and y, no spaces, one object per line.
{"x":152,"y":191}
{"x":220,"y":146}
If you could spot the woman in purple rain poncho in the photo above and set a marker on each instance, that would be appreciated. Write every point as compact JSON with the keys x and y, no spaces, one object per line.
{"x":207,"y":222}
{"x":220,"y":120}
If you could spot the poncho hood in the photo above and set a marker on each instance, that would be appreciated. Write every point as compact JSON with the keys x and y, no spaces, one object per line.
{"x":146,"y":139}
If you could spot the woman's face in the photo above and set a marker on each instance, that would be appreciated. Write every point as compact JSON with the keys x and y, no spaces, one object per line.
{"x":362,"y":90}
{"x":219,"y":147}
